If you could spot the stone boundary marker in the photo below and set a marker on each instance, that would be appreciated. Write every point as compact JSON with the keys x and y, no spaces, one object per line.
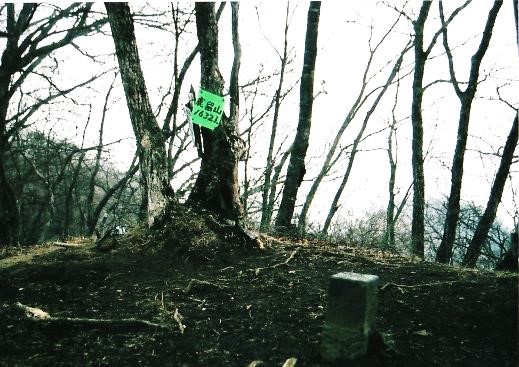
{"x":352,"y":304}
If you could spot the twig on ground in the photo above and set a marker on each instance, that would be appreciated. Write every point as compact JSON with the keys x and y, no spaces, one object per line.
{"x":194,"y":282}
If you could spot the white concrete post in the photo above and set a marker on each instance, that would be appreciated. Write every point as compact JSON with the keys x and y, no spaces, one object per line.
{"x":352,"y":304}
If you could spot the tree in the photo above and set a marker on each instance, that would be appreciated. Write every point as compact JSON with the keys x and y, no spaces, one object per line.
{"x":217,"y":187}
{"x":29,"y":42}
{"x":266,"y":204}
{"x":417,"y":227}
{"x":420,"y":58}
{"x":150,"y":141}
{"x":355,"y":148}
{"x":296,"y":166}
{"x":332,"y":156}
{"x":392,"y":154}
{"x":486,"y":220}
{"x":466,"y":98}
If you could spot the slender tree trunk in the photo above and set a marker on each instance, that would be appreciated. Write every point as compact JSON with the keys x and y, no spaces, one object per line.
{"x":354,"y":150}
{"x":266,"y":211}
{"x":390,"y":211}
{"x":217,"y":186}
{"x":485,"y":222}
{"x":150,"y":142}
{"x":331,"y":157}
{"x":273,"y":185}
{"x":466,"y":97}
{"x":417,"y":228}
{"x":296,"y":167}
{"x":91,"y":221}
{"x":68,"y":216}
{"x":96,"y":211}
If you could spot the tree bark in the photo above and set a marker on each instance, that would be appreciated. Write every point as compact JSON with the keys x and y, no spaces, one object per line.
{"x":393,"y":161}
{"x":217,"y":186}
{"x":466,"y":98}
{"x":296,"y":167}
{"x":485,"y":222}
{"x":8,"y":209}
{"x":150,"y":142}
{"x":420,"y":56}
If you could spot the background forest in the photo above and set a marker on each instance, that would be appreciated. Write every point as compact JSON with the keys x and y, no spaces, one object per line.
{"x":390,"y":124}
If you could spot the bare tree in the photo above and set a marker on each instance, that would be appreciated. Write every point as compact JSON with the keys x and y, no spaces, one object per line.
{"x":417,"y":229}
{"x":354,"y":150}
{"x":266,"y":205}
{"x":150,"y":142}
{"x":29,"y":41}
{"x":486,"y":220}
{"x":332,"y":156}
{"x":421,"y":54}
{"x":392,"y":155}
{"x":466,"y":98}
{"x":296,"y":166}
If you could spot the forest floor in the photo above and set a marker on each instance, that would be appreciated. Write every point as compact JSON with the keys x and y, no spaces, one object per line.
{"x":239,"y":309}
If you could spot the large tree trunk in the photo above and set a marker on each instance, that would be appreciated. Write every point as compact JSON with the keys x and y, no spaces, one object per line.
{"x":8,"y":209}
{"x":485,"y":223}
{"x":466,"y":97}
{"x":150,"y":142}
{"x":10,"y":58}
{"x":217,"y":187}
{"x":296,"y":167}
{"x":420,"y":56}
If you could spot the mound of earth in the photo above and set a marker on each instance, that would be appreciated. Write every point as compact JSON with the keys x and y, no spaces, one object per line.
{"x":238,"y":308}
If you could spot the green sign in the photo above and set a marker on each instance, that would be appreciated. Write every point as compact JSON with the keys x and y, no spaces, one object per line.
{"x":208,"y":110}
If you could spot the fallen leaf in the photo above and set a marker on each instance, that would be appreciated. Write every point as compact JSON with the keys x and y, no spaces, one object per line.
{"x":256,"y":363}
{"x":422,"y":332}
{"x":178,"y":318}
{"x":291,"y":362}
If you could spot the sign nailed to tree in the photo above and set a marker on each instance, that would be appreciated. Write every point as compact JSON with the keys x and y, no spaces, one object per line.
{"x":208,"y":110}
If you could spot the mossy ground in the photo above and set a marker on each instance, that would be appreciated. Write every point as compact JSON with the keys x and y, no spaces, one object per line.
{"x":245,"y":306}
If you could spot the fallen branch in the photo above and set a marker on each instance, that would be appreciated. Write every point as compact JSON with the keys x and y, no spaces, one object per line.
{"x":36,"y":314}
{"x":399,"y":286}
{"x":292,"y":255}
{"x":66,"y":245}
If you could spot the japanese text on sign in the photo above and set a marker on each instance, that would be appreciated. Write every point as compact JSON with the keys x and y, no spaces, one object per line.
{"x":208,"y":110}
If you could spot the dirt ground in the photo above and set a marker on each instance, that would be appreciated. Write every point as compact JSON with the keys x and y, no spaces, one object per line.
{"x":239,"y":308}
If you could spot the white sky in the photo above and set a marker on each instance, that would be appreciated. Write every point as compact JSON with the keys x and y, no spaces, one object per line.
{"x":343,"y":35}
